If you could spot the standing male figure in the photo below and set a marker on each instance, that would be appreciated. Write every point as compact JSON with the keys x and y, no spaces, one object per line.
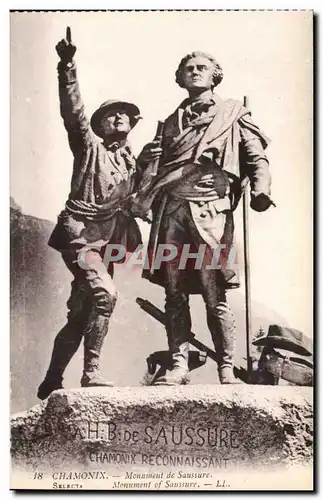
{"x":209,"y":145}
{"x":104,"y":177}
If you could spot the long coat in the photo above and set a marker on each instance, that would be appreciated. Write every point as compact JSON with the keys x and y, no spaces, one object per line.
{"x":237,"y":146}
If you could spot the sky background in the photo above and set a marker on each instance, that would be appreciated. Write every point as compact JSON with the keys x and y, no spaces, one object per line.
{"x":133,"y":56}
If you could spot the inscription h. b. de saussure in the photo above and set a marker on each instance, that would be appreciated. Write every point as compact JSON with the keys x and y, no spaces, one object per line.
{"x":166,"y":435}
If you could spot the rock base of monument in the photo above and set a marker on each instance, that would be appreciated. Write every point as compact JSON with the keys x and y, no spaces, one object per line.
{"x":109,"y":438}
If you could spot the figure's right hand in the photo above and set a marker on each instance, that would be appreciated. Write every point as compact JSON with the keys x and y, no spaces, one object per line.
{"x":65,"y":49}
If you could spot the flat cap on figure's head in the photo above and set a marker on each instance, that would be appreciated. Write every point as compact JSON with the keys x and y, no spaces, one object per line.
{"x":199,"y":69}
{"x":114,"y":116}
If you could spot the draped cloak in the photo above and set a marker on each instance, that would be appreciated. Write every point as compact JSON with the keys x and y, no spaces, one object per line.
{"x":184,"y":152}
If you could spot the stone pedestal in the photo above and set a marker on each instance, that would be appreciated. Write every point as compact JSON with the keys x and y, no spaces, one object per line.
{"x":123,"y":434}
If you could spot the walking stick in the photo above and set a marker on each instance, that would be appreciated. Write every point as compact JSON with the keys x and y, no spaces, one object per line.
{"x":247,"y":269}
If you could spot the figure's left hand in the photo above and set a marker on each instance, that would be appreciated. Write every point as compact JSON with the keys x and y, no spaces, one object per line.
{"x":150,"y":153}
{"x":261,"y":202}
{"x":138,"y":209}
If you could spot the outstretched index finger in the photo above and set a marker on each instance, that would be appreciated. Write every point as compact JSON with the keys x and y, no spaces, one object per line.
{"x":68,"y":34}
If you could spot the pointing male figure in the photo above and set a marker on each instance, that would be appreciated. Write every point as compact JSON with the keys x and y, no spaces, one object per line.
{"x":209,"y":145}
{"x":104,"y":176}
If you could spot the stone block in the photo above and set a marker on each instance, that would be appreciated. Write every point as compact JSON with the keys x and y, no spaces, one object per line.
{"x":188,"y":428}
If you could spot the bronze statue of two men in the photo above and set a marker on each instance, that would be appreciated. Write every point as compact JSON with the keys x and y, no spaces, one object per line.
{"x":208,"y":147}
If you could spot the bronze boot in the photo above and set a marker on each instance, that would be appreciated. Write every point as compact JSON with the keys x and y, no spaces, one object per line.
{"x":178,"y":325}
{"x":178,"y":374}
{"x":48,"y":386}
{"x":226,"y":375}
{"x":222,"y":327}
{"x":93,"y":342}
{"x":65,"y":346}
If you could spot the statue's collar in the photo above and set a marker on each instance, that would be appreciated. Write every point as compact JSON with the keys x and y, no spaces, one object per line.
{"x":207,"y":98}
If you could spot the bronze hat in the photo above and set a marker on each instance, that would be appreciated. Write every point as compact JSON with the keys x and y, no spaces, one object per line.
{"x":282,"y":337}
{"x":114,"y":104}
